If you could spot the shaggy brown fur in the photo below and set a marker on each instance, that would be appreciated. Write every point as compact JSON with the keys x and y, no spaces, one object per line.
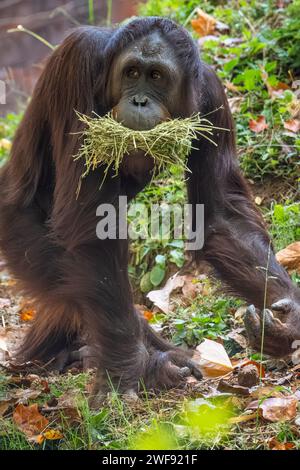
{"x":80,"y":283}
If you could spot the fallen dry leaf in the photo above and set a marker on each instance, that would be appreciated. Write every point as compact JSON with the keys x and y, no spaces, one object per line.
{"x":64,"y":408}
{"x":243,"y":418}
{"x":258,"y":125}
{"x":204,"y":24}
{"x":277,"y":409}
{"x":235,"y":104}
{"x":27,"y":314}
{"x":23,"y":395}
{"x":50,"y":435}
{"x":266,"y":391}
{"x":289,"y":257}
{"x":277,"y":91}
{"x":228,"y":387}
{"x":231,"y":87}
{"x":192,"y":286}
{"x":5,"y":405}
{"x":10,"y":338}
{"x":29,"y":420}
{"x":292,"y":125}
{"x":161,"y":297}
{"x":148,"y":314}
{"x":274,"y":444}
{"x":212,"y":359}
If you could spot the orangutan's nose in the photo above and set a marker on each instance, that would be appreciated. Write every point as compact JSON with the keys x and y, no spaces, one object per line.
{"x":140,"y":100}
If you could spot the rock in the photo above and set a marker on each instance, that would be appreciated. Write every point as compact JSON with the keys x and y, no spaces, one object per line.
{"x":248,"y":376}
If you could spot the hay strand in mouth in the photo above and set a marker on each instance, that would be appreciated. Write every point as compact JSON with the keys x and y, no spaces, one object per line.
{"x":106,"y":141}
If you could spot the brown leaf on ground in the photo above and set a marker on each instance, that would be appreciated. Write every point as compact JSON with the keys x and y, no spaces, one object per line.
{"x":258,"y":125}
{"x":292,"y":125}
{"x":278,"y":90}
{"x":258,"y":200}
{"x":29,"y":420}
{"x":6,"y":406}
{"x":274,"y":444}
{"x":161,"y":297}
{"x":277,"y":409}
{"x":27,"y":313}
{"x":64,"y":406}
{"x":212,"y":359}
{"x":204,"y":24}
{"x":235,"y":104}
{"x":22,"y":396}
{"x":192,"y":286}
{"x":10,"y":338}
{"x":231,"y":87}
{"x":228,"y":387}
{"x":243,"y":418}
{"x":266,"y":392}
{"x":289,"y":257}
{"x":237,"y":337}
{"x":50,"y":435}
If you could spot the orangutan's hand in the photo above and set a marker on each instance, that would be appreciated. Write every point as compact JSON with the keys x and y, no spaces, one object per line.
{"x":280,"y":332}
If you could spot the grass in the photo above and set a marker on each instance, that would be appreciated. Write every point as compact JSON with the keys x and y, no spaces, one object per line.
{"x":106,"y":141}
{"x":172,"y":420}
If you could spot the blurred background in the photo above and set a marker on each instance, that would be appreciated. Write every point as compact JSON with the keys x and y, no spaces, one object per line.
{"x":22,"y":55}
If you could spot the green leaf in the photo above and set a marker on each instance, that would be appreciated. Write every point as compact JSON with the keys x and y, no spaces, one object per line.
{"x":160,"y":260}
{"x":157,"y":275}
{"x":145,"y":283}
{"x":177,"y":257}
{"x":230,"y":65}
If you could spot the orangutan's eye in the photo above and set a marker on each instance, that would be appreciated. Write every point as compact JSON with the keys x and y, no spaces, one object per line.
{"x":155,"y":75}
{"x":133,"y":73}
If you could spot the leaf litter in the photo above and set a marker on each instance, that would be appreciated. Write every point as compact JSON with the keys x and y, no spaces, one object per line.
{"x":273,"y":398}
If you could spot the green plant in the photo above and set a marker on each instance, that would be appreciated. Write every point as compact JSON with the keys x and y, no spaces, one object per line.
{"x":207,"y":317}
{"x":285,"y":224}
{"x":8,"y":126}
{"x":253,"y":58}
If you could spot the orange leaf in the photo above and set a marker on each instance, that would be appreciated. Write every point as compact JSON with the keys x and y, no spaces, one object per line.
{"x":148,"y":315}
{"x":52,"y":434}
{"x":212,"y":359}
{"x":27,"y":314}
{"x":259,"y":125}
{"x":274,"y":444}
{"x":292,"y":125}
{"x":40,"y":439}
{"x":29,"y":420}
{"x":277,"y":91}
{"x":289,"y":257}
{"x":204,"y":24}
{"x":277,"y":409}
